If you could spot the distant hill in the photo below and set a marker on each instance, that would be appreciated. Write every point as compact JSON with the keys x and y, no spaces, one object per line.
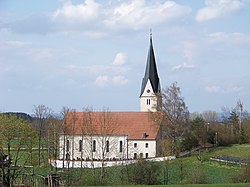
{"x":21,"y":115}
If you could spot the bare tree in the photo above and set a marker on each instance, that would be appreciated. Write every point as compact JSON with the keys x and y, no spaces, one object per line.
{"x":210,"y":116}
{"x":41,"y":114}
{"x":177,"y":115}
{"x":97,"y":129}
{"x":54,"y":129}
{"x":107,"y":124}
{"x":64,"y":130}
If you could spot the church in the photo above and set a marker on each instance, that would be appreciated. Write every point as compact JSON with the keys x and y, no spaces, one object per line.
{"x":116,"y":135}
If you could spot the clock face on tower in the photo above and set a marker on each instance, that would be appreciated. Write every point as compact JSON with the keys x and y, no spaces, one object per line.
{"x":148,"y":90}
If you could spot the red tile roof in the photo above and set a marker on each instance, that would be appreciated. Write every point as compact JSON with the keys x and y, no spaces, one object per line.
{"x":134,"y":124}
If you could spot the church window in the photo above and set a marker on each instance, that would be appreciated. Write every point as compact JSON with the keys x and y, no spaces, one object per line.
{"x":135,"y":155}
{"x":146,"y":155}
{"x":94,"y":146}
{"x":120,"y":148}
{"x":80,"y":145}
{"x":135,"y":145}
{"x":146,"y":145}
{"x":148,"y":101}
{"x":67,"y":145}
{"x":67,"y":156}
{"x":107,"y":146}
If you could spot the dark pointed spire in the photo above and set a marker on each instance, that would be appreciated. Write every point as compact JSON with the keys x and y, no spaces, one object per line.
{"x":151,"y":70}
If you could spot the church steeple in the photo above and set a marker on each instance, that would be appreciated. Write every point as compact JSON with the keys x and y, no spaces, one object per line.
{"x":150,"y":90}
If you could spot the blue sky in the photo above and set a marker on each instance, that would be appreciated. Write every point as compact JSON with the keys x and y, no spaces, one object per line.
{"x":93,"y":53}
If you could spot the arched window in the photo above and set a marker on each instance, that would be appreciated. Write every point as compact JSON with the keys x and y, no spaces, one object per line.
{"x":80,"y":145}
{"x":148,"y":101}
{"x":67,"y":145}
{"x":94,"y":146}
{"x":120,"y":148}
{"x":135,"y":155}
{"x":107,"y":146}
{"x":67,"y":156}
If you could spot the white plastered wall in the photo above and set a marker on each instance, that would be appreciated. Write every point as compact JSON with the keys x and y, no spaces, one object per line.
{"x":141,"y":150}
{"x":87,"y":147}
{"x":144,"y":106}
{"x":128,"y":147}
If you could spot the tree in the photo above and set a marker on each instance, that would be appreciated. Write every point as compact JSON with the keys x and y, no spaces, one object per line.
{"x":41,"y":114}
{"x":64,"y":128}
{"x":176,"y":113}
{"x":209,"y":116}
{"x":89,"y":136}
{"x":99,"y":127}
{"x":199,"y":130}
{"x":235,"y":119}
{"x":54,"y":128}
{"x":15,"y":136}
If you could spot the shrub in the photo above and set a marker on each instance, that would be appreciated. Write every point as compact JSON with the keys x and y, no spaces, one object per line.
{"x":144,"y":172}
{"x":197,"y":176}
{"x":243,"y":176}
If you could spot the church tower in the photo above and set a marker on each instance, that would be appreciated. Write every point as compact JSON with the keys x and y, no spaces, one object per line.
{"x":150,"y":97}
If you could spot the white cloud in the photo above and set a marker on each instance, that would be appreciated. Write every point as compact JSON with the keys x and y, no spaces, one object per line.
{"x":120,"y":58}
{"x":212,"y":89}
{"x":93,"y":16}
{"x":13,"y":43}
{"x":87,"y":11}
{"x":102,"y":80}
{"x":137,"y":14}
{"x":189,"y":50}
{"x":95,"y":69}
{"x":217,"y":8}
{"x":225,"y":89}
{"x":229,"y":37}
{"x":120,"y":80}
{"x":184,"y":66}
{"x":4,"y":67}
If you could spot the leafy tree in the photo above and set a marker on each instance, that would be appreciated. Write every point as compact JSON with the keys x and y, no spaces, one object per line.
{"x":199,"y":130}
{"x":233,"y":121}
{"x":189,"y":142}
{"x":15,"y":137}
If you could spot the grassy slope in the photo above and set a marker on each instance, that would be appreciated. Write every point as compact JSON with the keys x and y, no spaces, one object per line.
{"x":187,"y":168}
{"x":193,"y":185}
{"x":219,"y":172}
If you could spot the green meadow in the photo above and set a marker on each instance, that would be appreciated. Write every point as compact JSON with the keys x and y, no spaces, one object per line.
{"x":197,"y":168}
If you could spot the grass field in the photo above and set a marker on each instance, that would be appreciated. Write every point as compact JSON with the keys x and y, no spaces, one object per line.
{"x":192,"y":185}
{"x":180,"y":171}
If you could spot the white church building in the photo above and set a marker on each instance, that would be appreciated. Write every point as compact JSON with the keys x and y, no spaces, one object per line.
{"x":116,"y":135}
